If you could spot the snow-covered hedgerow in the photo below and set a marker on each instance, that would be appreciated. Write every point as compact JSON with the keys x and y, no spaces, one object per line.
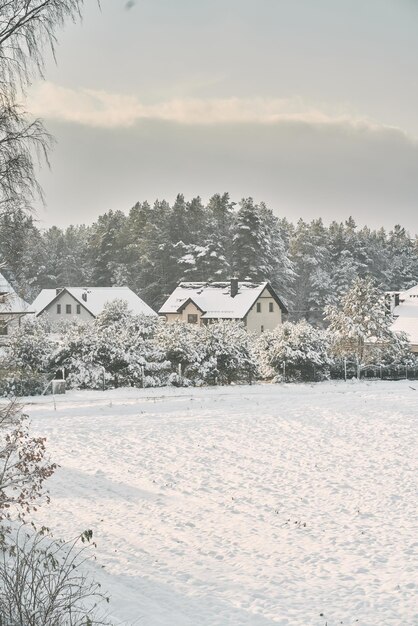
{"x":219,"y":353}
{"x":231,"y":353}
{"x":295,"y":352}
{"x":184,"y":348}
{"x":116,"y":350}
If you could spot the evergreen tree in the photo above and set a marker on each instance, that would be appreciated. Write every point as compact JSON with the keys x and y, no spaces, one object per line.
{"x":252,"y":252}
{"x":360,"y":324}
{"x":107,"y":253}
{"x":402,"y":272}
{"x":309,"y":253}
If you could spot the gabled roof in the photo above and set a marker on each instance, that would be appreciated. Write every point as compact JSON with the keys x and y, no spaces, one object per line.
{"x":97,"y":298}
{"x":215,"y":300}
{"x":10,"y":302}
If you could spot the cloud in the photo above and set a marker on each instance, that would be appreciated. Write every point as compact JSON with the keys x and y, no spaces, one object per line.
{"x":300,"y":170}
{"x":101,"y":109}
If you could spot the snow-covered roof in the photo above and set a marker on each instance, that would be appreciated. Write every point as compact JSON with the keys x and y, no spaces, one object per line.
{"x":215,"y":300}
{"x":406,"y":314}
{"x":408,"y":325}
{"x":10,"y":302}
{"x":96,"y":299}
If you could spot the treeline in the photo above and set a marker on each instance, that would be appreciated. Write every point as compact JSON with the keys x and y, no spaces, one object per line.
{"x":153,"y":247}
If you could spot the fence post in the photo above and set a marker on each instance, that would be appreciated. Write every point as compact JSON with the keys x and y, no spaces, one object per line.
{"x":180,"y":372}
{"x":345,"y":369}
{"x":284,"y":371}
{"x":406,"y":372}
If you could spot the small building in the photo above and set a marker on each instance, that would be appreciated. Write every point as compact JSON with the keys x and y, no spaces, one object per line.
{"x":403,"y":306}
{"x":257,"y":305}
{"x":85,"y":303}
{"x":12,"y":309}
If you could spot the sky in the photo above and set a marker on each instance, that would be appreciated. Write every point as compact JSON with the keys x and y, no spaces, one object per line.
{"x":309,"y":106}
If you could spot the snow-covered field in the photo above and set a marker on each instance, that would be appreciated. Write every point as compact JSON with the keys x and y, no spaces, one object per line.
{"x":293,"y":505}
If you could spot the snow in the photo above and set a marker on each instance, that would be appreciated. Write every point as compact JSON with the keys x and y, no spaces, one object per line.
{"x":97,"y":298}
{"x":292,"y":505}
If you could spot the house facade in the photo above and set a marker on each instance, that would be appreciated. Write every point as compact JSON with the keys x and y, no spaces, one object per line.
{"x":12,"y":310}
{"x":85,"y":303}
{"x":403,"y":306}
{"x":257,"y":305}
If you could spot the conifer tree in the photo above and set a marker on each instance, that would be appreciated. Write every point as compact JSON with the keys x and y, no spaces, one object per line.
{"x":360,"y":324}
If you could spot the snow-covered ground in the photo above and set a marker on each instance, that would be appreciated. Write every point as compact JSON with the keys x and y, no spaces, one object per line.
{"x":293,"y":505}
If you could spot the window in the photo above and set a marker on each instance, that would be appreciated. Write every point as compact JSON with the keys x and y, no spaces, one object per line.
{"x":78,"y":309}
{"x":258,"y":307}
{"x":262,"y":329}
{"x":58,"y":309}
{"x":192,"y":318}
{"x":271,"y":308}
{"x":3,"y":328}
{"x":68,"y":308}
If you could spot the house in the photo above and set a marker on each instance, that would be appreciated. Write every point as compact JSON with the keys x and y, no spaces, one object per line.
{"x":12,"y":309}
{"x":255,"y":304}
{"x":403,"y":306}
{"x":85,"y":303}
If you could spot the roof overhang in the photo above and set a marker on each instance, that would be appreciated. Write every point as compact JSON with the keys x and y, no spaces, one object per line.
{"x":187,"y":302}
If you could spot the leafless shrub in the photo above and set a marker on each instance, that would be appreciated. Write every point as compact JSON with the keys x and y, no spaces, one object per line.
{"x":42,"y":582}
{"x":24,"y":466}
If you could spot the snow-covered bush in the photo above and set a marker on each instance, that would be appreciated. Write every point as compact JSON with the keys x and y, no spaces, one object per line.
{"x":295,"y":352}
{"x":230,"y":353}
{"x":184,"y":348}
{"x":398,"y":351}
{"x":76,"y":354}
{"x":217,"y":353}
{"x":117,"y":349}
{"x":25,"y":364}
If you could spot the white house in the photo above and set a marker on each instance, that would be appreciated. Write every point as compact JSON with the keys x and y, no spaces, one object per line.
{"x":85,"y":303}
{"x":12,"y":309}
{"x":403,"y":305}
{"x":255,"y":304}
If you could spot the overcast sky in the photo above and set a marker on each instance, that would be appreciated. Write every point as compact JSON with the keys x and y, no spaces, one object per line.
{"x":309,"y":105}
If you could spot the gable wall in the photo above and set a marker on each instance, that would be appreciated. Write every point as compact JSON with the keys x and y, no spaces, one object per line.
{"x":64,"y":299}
{"x":254,"y":320}
{"x":182,"y":317}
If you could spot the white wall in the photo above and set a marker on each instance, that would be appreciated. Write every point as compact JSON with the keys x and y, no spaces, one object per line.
{"x":63,"y":299}
{"x":255,"y":321}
